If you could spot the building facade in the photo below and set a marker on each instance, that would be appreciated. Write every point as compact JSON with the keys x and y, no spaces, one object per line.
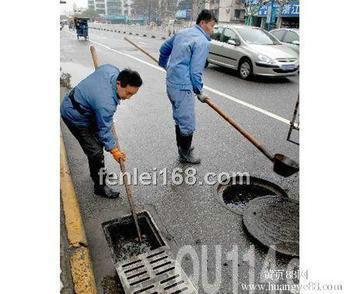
{"x":114,"y":7}
{"x":100,"y":7}
{"x":108,"y":7}
{"x":91,"y":4}
{"x":227,"y":11}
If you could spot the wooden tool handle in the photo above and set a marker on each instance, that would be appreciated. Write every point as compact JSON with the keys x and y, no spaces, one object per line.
{"x":255,"y":142}
{"x":121,"y":163}
{"x":94,"y":56}
{"x":142,"y":50}
{"x":247,"y":135}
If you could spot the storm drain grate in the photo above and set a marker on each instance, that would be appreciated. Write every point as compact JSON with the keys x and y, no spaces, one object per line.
{"x":154,"y":272}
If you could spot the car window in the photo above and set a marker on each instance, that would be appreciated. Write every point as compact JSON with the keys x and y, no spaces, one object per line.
{"x":216,"y":35}
{"x":229,"y":35}
{"x":278,"y":34}
{"x":257,"y":36}
{"x":290,"y":37}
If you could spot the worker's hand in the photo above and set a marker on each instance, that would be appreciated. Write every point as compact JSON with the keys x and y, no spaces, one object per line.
{"x":201,"y":97}
{"x":118,"y":155}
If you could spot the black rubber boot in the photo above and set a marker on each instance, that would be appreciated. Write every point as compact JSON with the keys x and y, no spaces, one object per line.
{"x":100,"y":186}
{"x":106,"y":191}
{"x":179,"y":138}
{"x":185,"y":154}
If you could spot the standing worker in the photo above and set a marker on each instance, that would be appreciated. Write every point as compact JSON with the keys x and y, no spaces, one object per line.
{"x":187,"y":52}
{"x":88,"y":112}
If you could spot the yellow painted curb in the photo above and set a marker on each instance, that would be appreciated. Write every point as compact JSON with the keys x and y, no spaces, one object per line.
{"x":82,"y":274}
{"x":81,"y":268}
{"x":74,"y":224}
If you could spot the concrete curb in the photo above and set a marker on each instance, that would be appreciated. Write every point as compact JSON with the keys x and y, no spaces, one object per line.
{"x":80,"y":262}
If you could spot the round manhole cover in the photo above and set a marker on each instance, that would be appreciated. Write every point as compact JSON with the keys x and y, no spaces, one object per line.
{"x":236,"y":194}
{"x":274,"y":222}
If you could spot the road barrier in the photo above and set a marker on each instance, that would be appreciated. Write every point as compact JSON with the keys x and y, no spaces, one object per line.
{"x":155,"y":32}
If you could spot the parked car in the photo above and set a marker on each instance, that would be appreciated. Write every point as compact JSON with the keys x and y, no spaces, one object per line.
{"x":251,"y":51}
{"x":287,"y":36}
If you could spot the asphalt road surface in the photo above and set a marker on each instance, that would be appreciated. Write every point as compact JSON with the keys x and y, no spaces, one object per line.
{"x":186,"y":214}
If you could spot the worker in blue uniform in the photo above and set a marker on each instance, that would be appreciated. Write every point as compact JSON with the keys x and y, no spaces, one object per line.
{"x":184,"y":56}
{"x":88,"y":111}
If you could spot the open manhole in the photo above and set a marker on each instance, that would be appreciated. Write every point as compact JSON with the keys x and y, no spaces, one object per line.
{"x":147,"y":267}
{"x":238,"y":191}
{"x":274,"y":222}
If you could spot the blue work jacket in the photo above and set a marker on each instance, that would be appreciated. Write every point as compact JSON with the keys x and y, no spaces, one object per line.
{"x":97,"y":97}
{"x":186,"y":52}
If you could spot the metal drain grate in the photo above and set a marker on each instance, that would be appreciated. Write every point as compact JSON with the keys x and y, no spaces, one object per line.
{"x":154,"y":272}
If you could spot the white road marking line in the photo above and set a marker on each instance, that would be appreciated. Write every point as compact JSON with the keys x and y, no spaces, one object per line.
{"x":251,"y":106}
{"x":128,"y":55}
{"x":234,"y":99}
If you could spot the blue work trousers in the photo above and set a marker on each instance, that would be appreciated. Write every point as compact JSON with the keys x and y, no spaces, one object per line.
{"x":182,"y":102}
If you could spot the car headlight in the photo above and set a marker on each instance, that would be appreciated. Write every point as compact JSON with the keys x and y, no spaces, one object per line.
{"x":265,"y":59}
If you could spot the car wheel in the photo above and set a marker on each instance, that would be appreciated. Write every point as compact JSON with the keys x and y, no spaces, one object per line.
{"x":245,"y":69}
{"x":206,"y":64}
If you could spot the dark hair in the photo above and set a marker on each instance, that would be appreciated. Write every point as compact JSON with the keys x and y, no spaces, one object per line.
{"x":129,"y":77}
{"x":206,"y":15}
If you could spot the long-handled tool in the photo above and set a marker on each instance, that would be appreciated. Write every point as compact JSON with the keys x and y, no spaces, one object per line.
{"x":121,"y":163}
{"x":282,"y":165}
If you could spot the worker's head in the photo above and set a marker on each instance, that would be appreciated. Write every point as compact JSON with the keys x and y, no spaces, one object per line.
{"x":206,"y":20}
{"x":128,"y":83}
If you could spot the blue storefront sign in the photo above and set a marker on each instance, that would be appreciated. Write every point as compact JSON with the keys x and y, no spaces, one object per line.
{"x":264,"y":9}
{"x":290,"y":9}
{"x":184,"y":14}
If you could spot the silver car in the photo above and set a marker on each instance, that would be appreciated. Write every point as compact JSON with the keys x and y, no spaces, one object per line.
{"x":251,"y":51}
{"x":289,"y":37}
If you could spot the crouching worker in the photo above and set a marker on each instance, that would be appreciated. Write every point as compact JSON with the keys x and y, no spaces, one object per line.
{"x":88,"y":111}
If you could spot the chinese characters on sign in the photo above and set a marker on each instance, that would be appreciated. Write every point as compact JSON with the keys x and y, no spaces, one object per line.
{"x":290,"y":9}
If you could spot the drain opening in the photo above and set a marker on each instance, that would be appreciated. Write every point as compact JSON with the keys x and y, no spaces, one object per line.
{"x":136,"y":275}
{"x":122,"y":238}
{"x":139,"y":281}
{"x":167,"y":270}
{"x":134,"y":269}
{"x":159,"y":259}
{"x":236,"y":194}
{"x":164,"y":264}
{"x":131,"y":263}
{"x":180,"y":291}
{"x":144,"y":289}
{"x":155,"y":254}
{"x":147,"y":267}
{"x":173,"y":285}
{"x":169,"y":279}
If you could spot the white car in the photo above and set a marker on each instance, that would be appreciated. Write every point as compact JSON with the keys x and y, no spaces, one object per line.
{"x":289,"y":37}
{"x":251,"y":51}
